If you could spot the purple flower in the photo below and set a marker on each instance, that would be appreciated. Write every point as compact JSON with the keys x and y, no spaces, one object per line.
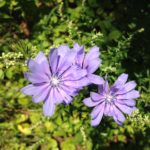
{"x":113,"y":101}
{"x":54,"y":81}
{"x":89,"y":62}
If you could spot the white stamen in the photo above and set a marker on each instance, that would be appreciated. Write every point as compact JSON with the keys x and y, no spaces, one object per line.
{"x":108,"y":97}
{"x":55,"y":81}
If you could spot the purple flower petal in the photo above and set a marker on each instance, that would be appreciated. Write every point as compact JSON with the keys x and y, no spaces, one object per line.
{"x":96,"y":97}
{"x":88,"y":102}
{"x":33,"y":90}
{"x":130,"y":95}
{"x":127,"y":87}
{"x":57,"y":96}
{"x":64,"y":65}
{"x":94,"y":53}
{"x":69,"y":90}
{"x":120,"y":81}
{"x":83,"y":82}
{"x":80,"y":54}
{"x":93,"y":65}
{"x":116,"y":120}
{"x":53,"y":59}
{"x":95,"y":79}
{"x":49,"y":106}
{"x":92,"y":60}
{"x":67,"y":99}
{"x":106,"y":87}
{"x":70,"y":57}
{"x":78,"y":48}
{"x":107,"y":109}
{"x":67,"y":74}
{"x":100,"y":89}
{"x":74,"y":84}
{"x":129,"y":102}
{"x":43,"y":63}
{"x":124,"y":108}
{"x":118,"y":114}
{"x":41,"y":94}
{"x":34,"y":66}
{"x":79,"y":74}
{"x":40,"y":58}
{"x":67,"y":57}
{"x":63,"y":50}
{"x":96,"y":110}
{"x":68,"y":60}
{"x":36,"y":78}
{"x":96,"y":121}
{"x":42,"y":67}
{"x":28,"y":90}
{"x":45,"y":67}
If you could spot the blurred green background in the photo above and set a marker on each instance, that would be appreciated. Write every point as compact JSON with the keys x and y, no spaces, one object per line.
{"x":120,"y":28}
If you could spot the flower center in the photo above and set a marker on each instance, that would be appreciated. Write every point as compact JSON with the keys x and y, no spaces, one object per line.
{"x":108,"y":97}
{"x":54,"y":81}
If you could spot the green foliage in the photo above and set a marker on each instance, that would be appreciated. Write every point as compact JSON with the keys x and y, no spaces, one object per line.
{"x":33,"y":25}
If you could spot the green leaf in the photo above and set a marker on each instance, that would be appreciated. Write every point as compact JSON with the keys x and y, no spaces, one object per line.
{"x":23,"y":101}
{"x":9,"y":73}
{"x":68,"y":145}
{"x":35,"y":117}
{"x":24,"y":129}
{"x":2,"y":3}
{"x":114,"y":35}
{"x":1,"y":74}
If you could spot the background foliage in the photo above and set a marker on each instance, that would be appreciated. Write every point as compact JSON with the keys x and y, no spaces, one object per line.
{"x":120,"y":28}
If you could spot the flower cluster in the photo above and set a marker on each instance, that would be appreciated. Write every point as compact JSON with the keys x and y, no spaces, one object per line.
{"x":67,"y":70}
{"x":59,"y":79}
{"x":113,"y":101}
